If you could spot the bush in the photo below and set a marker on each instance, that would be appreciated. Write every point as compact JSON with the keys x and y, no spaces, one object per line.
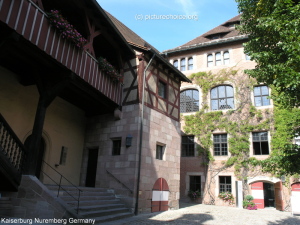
{"x":249,"y":198}
{"x":248,"y":204}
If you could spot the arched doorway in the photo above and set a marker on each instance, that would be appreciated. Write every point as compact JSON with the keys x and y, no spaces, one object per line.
{"x":40,"y":154}
{"x":160,"y":196}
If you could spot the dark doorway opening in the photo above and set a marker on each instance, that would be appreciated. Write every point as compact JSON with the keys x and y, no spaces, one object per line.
{"x":269,"y":195}
{"x":40,"y":155}
{"x":91,"y":172}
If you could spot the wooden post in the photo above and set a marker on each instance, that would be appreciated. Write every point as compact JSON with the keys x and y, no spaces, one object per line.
{"x":47,"y":92}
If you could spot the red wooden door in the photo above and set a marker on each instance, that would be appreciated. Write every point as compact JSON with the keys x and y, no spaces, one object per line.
{"x":257,"y":190}
{"x":160,"y":196}
{"x":278,"y":196}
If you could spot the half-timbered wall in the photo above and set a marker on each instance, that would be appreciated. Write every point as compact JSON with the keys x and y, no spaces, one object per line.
{"x":170,"y":104}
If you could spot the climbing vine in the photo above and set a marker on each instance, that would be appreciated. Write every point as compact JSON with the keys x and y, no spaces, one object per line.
{"x":238,"y":123}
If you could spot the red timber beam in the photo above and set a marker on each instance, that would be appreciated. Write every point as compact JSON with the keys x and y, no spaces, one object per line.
{"x":31,"y":22}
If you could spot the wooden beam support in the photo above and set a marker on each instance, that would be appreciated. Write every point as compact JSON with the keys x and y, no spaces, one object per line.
{"x":48,"y":91}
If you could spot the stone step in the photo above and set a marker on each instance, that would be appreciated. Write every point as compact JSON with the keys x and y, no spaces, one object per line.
{"x":93,"y":203}
{"x":88,"y":198}
{"x":100,"y":207}
{"x":83,"y":189}
{"x":100,"y":213}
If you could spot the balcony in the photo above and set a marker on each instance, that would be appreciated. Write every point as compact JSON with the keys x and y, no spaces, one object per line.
{"x":30,"y":22}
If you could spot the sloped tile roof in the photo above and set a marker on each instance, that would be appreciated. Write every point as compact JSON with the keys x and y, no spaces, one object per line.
{"x":135,"y":40}
{"x":225,"y":32}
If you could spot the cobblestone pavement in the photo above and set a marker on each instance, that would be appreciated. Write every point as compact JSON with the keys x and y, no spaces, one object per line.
{"x":208,"y":214}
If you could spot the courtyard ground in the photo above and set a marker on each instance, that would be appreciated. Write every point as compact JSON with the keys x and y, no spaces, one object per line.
{"x":209,"y":214}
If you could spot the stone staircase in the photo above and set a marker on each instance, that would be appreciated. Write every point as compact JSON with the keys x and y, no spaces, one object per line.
{"x":95,"y":203}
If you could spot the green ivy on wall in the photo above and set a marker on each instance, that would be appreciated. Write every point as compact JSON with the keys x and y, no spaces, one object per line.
{"x":238,"y":123}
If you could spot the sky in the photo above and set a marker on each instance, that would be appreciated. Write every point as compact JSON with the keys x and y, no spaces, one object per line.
{"x":167,"y":24}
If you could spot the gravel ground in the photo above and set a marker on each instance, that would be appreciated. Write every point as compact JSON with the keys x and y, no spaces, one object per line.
{"x":208,"y":214}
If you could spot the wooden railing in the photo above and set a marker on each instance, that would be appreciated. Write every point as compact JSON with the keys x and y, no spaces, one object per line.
{"x":31,"y":22}
{"x":12,"y":153}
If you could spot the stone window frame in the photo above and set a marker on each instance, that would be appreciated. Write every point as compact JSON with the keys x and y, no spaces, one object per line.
{"x":160,"y":150}
{"x":211,"y":58}
{"x":187,"y":181}
{"x":225,"y":186}
{"x":220,"y":144}
{"x":189,"y":63}
{"x":260,"y":141}
{"x":192,"y":100}
{"x":226,"y":97}
{"x":194,"y":87}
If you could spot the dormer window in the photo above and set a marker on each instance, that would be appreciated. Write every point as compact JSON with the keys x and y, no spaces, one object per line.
{"x":182,"y":64}
{"x":175,"y":64}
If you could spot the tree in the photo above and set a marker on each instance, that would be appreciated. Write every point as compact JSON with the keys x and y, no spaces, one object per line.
{"x":273,"y":27}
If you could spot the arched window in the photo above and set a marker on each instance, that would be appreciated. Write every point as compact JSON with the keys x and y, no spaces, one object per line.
{"x":190,"y":63}
{"x":226,"y":58}
{"x":189,"y":101}
{"x":182,"y":64}
{"x":218,"y":59}
{"x":210,"y":60}
{"x":175,"y":64}
{"x":222,"y":97}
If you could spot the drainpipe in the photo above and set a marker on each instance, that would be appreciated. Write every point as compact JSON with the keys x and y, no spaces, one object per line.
{"x":141,"y":140}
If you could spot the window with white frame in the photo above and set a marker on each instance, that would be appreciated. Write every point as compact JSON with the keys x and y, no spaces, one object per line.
{"x":226,"y":58}
{"x":210,"y":60}
{"x":175,"y":64}
{"x":218,"y":59}
{"x":222,"y":97}
{"x":190,"y":63}
{"x":220,"y":144}
{"x":182,"y":64}
{"x":187,"y":146}
{"x":260,"y":143}
{"x":225,"y":184}
{"x":261,"y":95}
{"x":189,"y":101}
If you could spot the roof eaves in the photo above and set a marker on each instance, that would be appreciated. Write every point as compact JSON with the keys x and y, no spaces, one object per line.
{"x":205,"y":44}
{"x":174,"y":70}
{"x":120,"y":36}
